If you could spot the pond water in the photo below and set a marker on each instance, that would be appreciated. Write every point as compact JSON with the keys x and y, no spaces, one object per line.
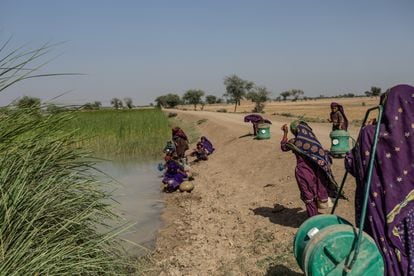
{"x":140,"y":204}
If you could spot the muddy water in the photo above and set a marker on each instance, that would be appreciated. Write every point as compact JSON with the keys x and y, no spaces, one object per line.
{"x":139,"y":198}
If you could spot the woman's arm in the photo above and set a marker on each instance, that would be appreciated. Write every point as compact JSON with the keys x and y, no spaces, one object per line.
{"x":284,"y":140}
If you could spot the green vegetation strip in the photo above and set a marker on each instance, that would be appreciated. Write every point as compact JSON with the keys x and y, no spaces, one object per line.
{"x":122,"y":134}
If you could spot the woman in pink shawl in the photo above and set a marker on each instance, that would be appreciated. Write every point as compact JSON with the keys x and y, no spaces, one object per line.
{"x":390,"y":210}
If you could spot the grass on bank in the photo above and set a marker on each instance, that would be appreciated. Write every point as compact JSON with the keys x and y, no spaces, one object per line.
{"x":51,"y":206}
{"x":122,"y":134}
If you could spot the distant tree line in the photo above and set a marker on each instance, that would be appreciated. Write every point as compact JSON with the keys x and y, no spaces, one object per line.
{"x":236,"y":90}
{"x":27,"y":102}
{"x":192,"y":96}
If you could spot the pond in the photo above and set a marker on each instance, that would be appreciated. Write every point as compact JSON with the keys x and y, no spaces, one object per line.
{"x":140,"y":205}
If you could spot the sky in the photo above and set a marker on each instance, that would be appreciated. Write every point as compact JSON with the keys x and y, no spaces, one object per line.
{"x":144,"y":49}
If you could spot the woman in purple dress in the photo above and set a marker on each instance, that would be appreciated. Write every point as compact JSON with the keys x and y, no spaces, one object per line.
{"x":174,"y":174}
{"x":207,"y":144}
{"x":390,"y":211}
{"x":313,"y":169}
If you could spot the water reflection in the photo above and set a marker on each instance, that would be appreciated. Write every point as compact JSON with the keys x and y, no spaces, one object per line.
{"x":139,"y":197}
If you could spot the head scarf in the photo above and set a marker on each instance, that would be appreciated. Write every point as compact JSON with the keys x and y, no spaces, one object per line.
{"x":178,"y":132}
{"x":341,"y":110}
{"x":254,"y":118}
{"x":307,"y":145}
{"x":294,"y":126}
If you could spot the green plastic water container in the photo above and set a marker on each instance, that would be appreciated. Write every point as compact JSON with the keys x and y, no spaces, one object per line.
{"x":324,"y":246}
{"x":339,"y":142}
{"x":263,"y":131}
{"x":319,"y":222}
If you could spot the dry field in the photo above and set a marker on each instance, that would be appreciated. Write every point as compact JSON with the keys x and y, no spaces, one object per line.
{"x":318,"y":110}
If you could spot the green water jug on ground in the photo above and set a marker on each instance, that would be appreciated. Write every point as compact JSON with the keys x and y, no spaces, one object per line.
{"x":324,"y":245}
{"x":263,"y":131}
{"x":339,"y":142}
{"x":318,"y":222}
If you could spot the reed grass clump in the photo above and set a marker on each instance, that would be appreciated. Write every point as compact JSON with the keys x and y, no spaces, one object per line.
{"x":122,"y":134}
{"x":53,"y":211}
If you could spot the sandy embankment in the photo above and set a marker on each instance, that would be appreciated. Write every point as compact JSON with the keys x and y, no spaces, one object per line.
{"x":229,"y":224}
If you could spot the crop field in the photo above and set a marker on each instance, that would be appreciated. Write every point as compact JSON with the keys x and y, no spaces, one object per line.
{"x":317,"y":110}
{"x":118,"y":134}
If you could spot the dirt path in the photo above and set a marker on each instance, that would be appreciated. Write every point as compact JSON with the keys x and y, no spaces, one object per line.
{"x":229,"y":224}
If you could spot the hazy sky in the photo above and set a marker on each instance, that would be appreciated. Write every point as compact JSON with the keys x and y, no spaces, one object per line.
{"x":143,"y":49}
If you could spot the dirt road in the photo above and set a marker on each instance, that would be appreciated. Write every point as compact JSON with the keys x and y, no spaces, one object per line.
{"x":245,"y":209}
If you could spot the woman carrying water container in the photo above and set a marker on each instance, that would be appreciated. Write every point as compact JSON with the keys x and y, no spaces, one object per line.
{"x":390,"y":211}
{"x":338,"y":118}
{"x":313,"y":169}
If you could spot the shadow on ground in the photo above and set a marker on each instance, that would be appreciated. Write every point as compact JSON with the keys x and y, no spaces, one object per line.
{"x":281,"y":270}
{"x":282,"y":215}
{"x":246,"y":135}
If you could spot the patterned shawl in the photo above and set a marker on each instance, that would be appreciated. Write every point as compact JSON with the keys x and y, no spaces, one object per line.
{"x":307,"y":145}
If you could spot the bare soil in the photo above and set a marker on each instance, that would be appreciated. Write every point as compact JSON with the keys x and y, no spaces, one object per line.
{"x":242,"y":216}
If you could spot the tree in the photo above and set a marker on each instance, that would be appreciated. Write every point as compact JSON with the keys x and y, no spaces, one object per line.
{"x":211,"y":99}
{"x":285,"y":94}
{"x":236,"y":89}
{"x":168,"y":101}
{"x":259,"y":96}
{"x":375,"y":91}
{"x":96,"y":105}
{"x":54,"y":109}
{"x":116,"y":103}
{"x":87,"y":106}
{"x":193,"y":96}
{"x":296,"y":93}
{"x":128,"y":103}
{"x":27,"y":102}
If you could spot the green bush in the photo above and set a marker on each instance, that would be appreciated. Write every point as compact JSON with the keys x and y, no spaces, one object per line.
{"x":53,"y":212}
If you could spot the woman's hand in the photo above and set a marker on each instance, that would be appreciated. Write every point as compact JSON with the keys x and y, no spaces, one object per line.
{"x":285,"y":128}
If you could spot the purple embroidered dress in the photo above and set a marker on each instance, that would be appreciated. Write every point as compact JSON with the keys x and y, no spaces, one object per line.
{"x":207,"y":144}
{"x":173,"y":176}
{"x":313,"y":172}
{"x":390,"y":210}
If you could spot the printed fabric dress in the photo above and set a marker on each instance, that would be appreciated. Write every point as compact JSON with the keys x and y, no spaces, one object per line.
{"x":174,"y":175}
{"x":390,"y":211}
{"x":313,"y":171}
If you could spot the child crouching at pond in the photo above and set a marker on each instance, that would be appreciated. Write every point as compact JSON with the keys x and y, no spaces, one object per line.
{"x":200,"y":152}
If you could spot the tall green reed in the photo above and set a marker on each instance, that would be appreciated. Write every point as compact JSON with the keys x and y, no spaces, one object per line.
{"x":122,"y":134}
{"x":51,"y":206}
